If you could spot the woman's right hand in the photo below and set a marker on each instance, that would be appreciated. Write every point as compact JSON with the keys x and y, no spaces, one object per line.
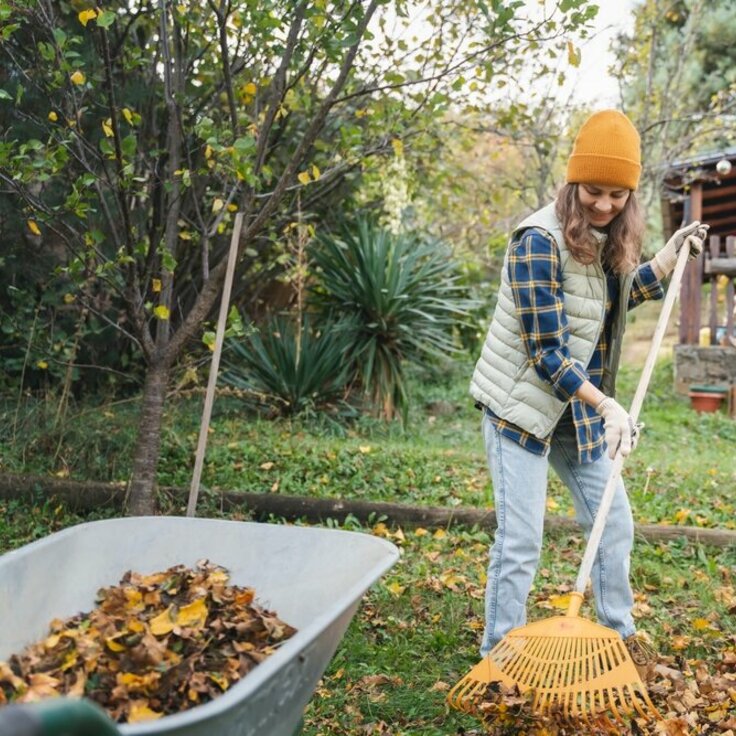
{"x":621,"y":433}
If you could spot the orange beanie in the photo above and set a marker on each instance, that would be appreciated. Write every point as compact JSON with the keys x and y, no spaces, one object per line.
{"x":606,"y":151}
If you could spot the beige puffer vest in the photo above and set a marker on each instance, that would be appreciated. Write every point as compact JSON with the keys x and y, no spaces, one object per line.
{"x":504,"y":380}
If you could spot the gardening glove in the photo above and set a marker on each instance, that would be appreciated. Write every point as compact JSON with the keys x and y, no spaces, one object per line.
{"x":693,"y":234}
{"x":621,"y":432}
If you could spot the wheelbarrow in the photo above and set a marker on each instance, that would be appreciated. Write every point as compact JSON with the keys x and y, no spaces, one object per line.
{"x":312,"y":578}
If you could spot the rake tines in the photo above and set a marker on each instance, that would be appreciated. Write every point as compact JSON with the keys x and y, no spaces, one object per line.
{"x":573,"y":668}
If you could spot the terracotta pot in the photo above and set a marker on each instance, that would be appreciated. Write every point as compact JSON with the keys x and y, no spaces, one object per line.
{"x":704,"y":401}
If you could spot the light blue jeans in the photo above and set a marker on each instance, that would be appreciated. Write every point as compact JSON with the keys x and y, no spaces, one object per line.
{"x":520,"y":489}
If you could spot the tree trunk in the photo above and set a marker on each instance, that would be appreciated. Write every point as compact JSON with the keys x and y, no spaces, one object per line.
{"x":141,"y":500}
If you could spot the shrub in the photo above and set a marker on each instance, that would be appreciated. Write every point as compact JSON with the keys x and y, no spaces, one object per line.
{"x":292,"y":369}
{"x":402,"y":294}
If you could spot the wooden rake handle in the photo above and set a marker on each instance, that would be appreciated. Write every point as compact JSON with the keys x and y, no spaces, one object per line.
{"x":601,"y":516}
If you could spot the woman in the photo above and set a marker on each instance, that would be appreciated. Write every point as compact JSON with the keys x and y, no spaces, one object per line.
{"x":545,"y":378}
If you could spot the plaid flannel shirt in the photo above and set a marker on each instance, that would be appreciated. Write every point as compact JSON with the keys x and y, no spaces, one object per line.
{"x":536,"y":283}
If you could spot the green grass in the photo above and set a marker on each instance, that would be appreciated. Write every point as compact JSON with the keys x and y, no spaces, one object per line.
{"x":417,"y":630}
{"x":683,"y":472}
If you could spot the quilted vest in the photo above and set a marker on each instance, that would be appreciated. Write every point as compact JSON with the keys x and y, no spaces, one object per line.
{"x":504,"y":380}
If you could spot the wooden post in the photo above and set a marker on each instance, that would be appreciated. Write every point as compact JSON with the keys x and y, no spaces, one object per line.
{"x":693,"y":279}
{"x":715,"y":251}
{"x":209,"y":398}
{"x":730,"y":246}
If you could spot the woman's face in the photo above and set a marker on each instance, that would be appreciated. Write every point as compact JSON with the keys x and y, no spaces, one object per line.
{"x":600,"y":203}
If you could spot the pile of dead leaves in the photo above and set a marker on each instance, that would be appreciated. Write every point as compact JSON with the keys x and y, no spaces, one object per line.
{"x":693,"y":698}
{"x":155,"y":645}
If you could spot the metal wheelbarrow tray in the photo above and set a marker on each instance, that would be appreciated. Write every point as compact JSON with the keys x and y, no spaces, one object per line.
{"x":312,"y":578}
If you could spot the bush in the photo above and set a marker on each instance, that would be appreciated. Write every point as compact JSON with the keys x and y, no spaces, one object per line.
{"x":401,"y":292}
{"x":292,"y":369}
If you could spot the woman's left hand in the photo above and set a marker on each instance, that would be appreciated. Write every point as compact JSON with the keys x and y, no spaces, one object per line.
{"x":693,"y":234}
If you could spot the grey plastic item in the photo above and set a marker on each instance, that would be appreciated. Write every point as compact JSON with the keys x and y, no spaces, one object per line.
{"x":312,"y":578}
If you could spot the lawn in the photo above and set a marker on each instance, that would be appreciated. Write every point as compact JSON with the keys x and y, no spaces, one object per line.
{"x":683,"y":472}
{"x":418,"y":629}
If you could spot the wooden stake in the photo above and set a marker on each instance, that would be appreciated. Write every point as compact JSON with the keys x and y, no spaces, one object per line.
{"x":215,"y":367}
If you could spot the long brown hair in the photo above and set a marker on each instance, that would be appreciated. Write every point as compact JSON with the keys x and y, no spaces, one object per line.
{"x":625,"y":233}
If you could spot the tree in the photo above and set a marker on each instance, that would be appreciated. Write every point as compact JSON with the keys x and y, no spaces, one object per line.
{"x":678,"y":82}
{"x":171,"y":124}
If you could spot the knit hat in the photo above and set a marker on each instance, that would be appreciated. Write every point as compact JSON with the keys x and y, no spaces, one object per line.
{"x":606,"y":151}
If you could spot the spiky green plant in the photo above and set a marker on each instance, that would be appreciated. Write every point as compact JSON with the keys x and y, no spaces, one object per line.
{"x":402,"y":293}
{"x":292,"y":367}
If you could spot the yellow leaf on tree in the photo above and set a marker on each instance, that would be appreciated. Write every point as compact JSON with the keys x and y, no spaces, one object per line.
{"x":139,"y":711}
{"x":573,"y":55}
{"x":249,"y":89}
{"x":52,"y":116}
{"x":69,"y":298}
{"x":77,"y":78}
{"x":107,"y":127}
{"x":128,"y":115}
{"x":42,"y":364}
{"x":217,"y":205}
{"x":155,"y":285}
{"x":304,"y":177}
{"x":194,"y":615}
{"x":185,"y":235}
{"x":161,"y":312}
{"x":398,"y":146}
{"x":85,"y":16}
{"x":315,"y":173}
{"x":33,"y":227}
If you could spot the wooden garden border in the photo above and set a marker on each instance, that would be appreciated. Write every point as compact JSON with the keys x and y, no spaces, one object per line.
{"x":84,"y":496}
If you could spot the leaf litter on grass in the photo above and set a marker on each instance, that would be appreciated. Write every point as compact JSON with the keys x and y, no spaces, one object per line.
{"x":155,"y":645}
{"x":692,"y":697}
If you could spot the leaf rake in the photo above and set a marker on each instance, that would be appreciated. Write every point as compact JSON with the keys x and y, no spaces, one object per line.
{"x":573,"y":667}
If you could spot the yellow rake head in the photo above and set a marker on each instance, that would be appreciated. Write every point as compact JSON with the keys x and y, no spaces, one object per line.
{"x":574,"y":668}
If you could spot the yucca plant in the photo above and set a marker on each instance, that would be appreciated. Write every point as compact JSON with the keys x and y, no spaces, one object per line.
{"x":401,"y":292}
{"x":292,"y":366}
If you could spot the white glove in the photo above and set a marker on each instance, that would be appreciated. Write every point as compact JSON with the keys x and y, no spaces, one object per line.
{"x":694,"y":234}
{"x":621,"y":432}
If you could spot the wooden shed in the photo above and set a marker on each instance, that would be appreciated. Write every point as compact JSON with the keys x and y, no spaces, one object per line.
{"x":704,"y":188}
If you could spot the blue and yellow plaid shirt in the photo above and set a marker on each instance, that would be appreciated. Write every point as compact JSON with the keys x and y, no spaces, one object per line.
{"x":536,"y":283}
